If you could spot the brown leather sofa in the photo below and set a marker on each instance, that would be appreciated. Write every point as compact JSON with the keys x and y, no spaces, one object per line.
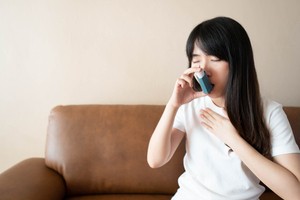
{"x":98,"y":152}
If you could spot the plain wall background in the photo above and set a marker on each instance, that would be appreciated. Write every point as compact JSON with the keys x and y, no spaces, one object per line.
{"x":121,"y":52}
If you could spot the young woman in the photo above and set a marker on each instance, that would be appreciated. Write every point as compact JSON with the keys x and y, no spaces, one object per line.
{"x":234,"y":138}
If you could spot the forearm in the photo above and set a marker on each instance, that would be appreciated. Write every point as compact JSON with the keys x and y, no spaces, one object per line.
{"x":276,"y":177}
{"x":160,"y":145}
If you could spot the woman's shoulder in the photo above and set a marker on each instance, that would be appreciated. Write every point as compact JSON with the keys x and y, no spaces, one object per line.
{"x":270,"y":103}
{"x":282,"y":138}
{"x":273,"y":111}
{"x":270,"y":106}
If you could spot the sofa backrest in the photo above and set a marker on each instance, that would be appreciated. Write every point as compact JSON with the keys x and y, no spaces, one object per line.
{"x":293,"y":114}
{"x":103,"y":148}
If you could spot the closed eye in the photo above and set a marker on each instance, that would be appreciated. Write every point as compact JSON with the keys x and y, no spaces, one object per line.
{"x":215,"y":59}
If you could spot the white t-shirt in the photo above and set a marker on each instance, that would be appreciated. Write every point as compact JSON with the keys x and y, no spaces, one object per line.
{"x":212,"y":169}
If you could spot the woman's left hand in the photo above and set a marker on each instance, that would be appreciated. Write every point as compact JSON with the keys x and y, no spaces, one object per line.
{"x":218,"y":125}
{"x":283,"y":167}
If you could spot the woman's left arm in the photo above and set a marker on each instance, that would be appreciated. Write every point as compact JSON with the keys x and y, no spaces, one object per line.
{"x":282,"y":175}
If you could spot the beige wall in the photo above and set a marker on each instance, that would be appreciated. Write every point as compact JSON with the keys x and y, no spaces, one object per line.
{"x":121,"y":52}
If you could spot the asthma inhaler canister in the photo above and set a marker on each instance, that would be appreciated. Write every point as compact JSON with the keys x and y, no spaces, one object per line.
{"x":204,"y":82}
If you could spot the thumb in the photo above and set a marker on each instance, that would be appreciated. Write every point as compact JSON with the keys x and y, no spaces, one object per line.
{"x":199,"y":94}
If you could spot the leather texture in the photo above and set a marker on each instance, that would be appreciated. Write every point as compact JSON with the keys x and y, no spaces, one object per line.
{"x":98,"y":152}
{"x":102,"y":149}
{"x":293,"y":114}
{"x":31,"y":180}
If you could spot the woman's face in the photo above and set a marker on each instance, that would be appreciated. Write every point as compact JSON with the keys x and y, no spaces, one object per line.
{"x":217,"y":71}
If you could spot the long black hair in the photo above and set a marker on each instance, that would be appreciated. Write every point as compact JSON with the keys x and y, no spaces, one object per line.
{"x":226,"y":39}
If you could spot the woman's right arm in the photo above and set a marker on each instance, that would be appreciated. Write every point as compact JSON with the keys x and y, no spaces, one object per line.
{"x":165,"y":139}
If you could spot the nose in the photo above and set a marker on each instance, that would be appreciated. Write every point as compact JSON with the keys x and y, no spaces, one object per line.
{"x":203,"y":65}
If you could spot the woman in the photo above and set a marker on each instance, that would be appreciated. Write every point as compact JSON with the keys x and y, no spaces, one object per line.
{"x":234,"y":138}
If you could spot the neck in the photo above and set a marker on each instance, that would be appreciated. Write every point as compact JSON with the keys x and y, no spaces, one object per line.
{"x":220,"y":102}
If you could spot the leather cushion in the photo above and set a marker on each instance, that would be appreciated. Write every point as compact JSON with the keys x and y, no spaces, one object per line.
{"x":103,"y":148}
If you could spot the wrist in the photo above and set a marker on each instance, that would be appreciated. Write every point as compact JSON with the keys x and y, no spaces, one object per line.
{"x":173,"y":105}
{"x":238,"y":144}
{"x":235,"y":141}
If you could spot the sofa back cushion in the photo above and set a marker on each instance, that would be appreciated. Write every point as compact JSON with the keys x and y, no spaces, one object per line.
{"x":293,"y":114}
{"x":103,"y":148}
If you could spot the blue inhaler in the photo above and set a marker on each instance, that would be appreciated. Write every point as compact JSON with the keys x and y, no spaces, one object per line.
{"x":204,"y":82}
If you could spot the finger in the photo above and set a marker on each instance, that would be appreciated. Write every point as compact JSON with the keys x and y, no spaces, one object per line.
{"x":181,"y":83}
{"x":192,"y":70}
{"x":212,"y":113}
{"x":199,"y":94}
{"x":206,"y":126}
{"x":206,"y":118}
{"x":188,"y":79}
{"x":209,"y":114}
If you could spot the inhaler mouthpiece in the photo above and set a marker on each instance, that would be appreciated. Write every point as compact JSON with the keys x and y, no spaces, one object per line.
{"x":204,"y":82}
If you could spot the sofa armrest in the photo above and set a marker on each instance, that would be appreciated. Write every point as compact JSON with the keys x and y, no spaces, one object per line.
{"x":31,"y":179}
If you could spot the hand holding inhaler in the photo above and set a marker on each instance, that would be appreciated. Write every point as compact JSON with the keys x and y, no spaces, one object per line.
{"x":203,"y":81}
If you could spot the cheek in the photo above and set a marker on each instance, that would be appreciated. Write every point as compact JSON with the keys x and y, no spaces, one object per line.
{"x":221,"y":77}
{"x":221,"y":81}
{"x":224,"y":79}
{"x":224,"y":72}
{"x":224,"y":75}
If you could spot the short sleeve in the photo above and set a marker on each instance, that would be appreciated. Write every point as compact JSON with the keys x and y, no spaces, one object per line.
{"x":282,"y":137}
{"x":179,"y":122}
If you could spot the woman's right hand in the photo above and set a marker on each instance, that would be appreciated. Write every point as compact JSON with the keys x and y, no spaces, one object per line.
{"x":183,"y":91}
{"x":165,"y":139}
